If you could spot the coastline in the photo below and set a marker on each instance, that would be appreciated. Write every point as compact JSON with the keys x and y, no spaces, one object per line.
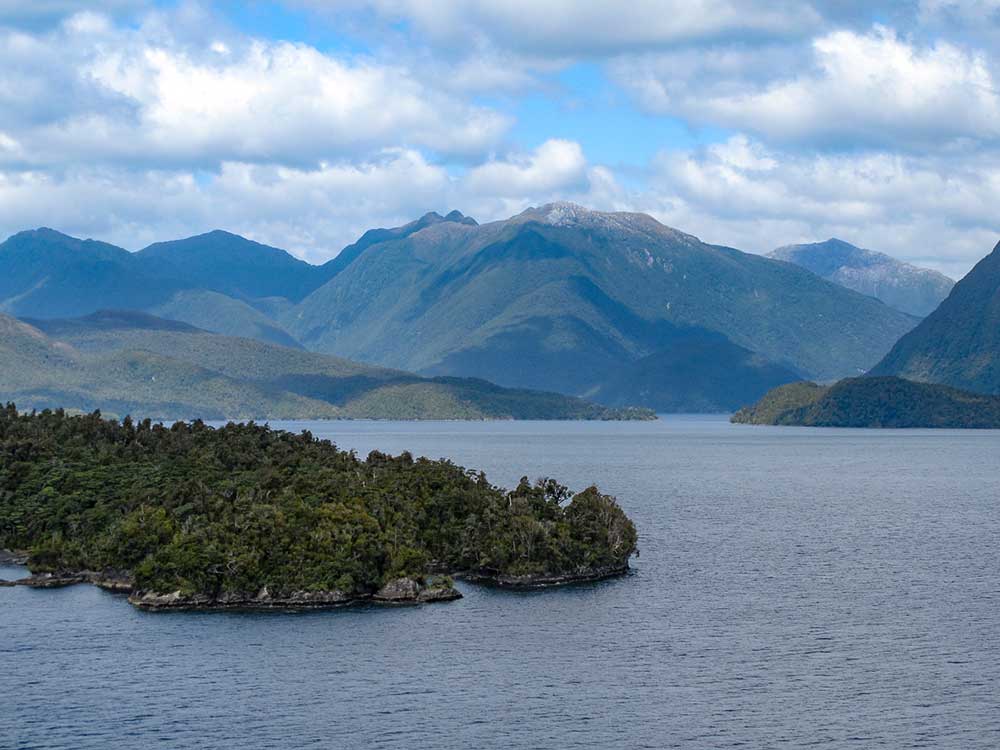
{"x":532,"y":582}
{"x":13,"y":557}
{"x":399,"y":592}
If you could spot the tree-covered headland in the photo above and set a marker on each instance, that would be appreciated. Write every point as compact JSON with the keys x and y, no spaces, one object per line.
{"x":190,"y":514}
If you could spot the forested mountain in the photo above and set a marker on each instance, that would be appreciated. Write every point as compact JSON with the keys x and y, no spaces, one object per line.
{"x":374,"y":236}
{"x":49,"y":274}
{"x":608,"y":306}
{"x":959,"y":343}
{"x":906,"y":287}
{"x":133,"y":363}
{"x":235,"y":266}
{"x":874,"y":402}
{"x":564,"y":298}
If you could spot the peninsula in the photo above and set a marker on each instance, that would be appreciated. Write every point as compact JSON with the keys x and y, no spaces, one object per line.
{"x":873,"y":402}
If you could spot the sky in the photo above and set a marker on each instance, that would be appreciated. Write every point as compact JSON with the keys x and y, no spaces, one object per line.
{"x":750,"y":123}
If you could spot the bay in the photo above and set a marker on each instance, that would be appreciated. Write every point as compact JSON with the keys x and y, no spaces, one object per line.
{"x":829,"y":588}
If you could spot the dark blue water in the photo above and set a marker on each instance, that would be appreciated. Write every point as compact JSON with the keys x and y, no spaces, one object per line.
{"x":795,"y":587}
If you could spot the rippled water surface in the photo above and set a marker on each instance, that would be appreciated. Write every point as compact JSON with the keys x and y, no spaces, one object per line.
{"x":830,"y":588}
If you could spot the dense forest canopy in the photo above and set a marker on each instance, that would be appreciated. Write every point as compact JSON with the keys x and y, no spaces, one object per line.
{"x":873,"y":402}
{"x":197,"y":509}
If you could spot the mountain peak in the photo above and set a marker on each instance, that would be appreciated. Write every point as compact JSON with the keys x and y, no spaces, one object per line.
{"x":898,"y":284}
{"x":222,"y":234}
{"x":42,"y":247}
{"x":45,"y":234}
{"x":616,"y":223}
{"x":563,"y":213}
{"x":452,"y":217}
{"x":459,"y":218}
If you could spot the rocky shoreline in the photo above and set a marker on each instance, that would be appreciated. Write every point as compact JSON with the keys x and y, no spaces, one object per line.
{"x":401,"y":591}
{"x":529,"y":582}
{"x":8,"y":557}
{"x":108,"y":580}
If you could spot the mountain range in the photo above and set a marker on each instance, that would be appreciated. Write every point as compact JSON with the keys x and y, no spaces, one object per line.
{"x":959,"y":343}
{"x":911,"y":289}
{"x":613,"y":307}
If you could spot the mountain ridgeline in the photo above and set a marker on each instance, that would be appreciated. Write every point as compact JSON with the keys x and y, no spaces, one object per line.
{"x":612,"y":307}
{"x":906,"y":287}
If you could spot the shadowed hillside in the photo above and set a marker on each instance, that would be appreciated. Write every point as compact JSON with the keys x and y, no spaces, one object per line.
{"x":127,"y":362}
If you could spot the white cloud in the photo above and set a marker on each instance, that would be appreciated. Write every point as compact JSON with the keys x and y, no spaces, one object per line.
{"x":555,"y":165}
{"x":311,"y":212}
{"x":145,"y":98}
{"x":933,"y":211}
{"x":853,"y":90}
{"x":929,"y":210}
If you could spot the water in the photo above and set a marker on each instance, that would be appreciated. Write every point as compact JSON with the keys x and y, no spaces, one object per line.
{"x":830,"y":588}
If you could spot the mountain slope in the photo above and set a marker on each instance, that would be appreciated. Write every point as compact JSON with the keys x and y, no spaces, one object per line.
{"x":914,"y":290}
{"x":374,"y":236}
{"x":959,"y":343}
{"x":216,"y":312}
{"x":700,"y":372}
{"x":137,"y":363}
{"x":562,"y":298}
{"x":39,"y":371}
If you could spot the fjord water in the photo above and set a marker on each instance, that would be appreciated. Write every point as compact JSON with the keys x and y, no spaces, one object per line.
{"x":796,"y":586}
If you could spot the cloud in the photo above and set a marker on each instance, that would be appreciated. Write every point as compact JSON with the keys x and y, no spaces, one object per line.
{"x":588,"y":27}
{"x":555,"y":165}
{"x":145,"y":98}
{"x":873,"y":90}
{"x":313,"y":212}
{"x":141,"y":125}
{"x":927,"y":209}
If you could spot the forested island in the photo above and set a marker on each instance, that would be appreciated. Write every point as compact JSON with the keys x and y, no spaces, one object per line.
{"x":873,"y":402}
{"x":190,"y":516}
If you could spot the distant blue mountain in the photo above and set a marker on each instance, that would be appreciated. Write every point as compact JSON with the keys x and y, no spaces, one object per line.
{"x":906,"y":287}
